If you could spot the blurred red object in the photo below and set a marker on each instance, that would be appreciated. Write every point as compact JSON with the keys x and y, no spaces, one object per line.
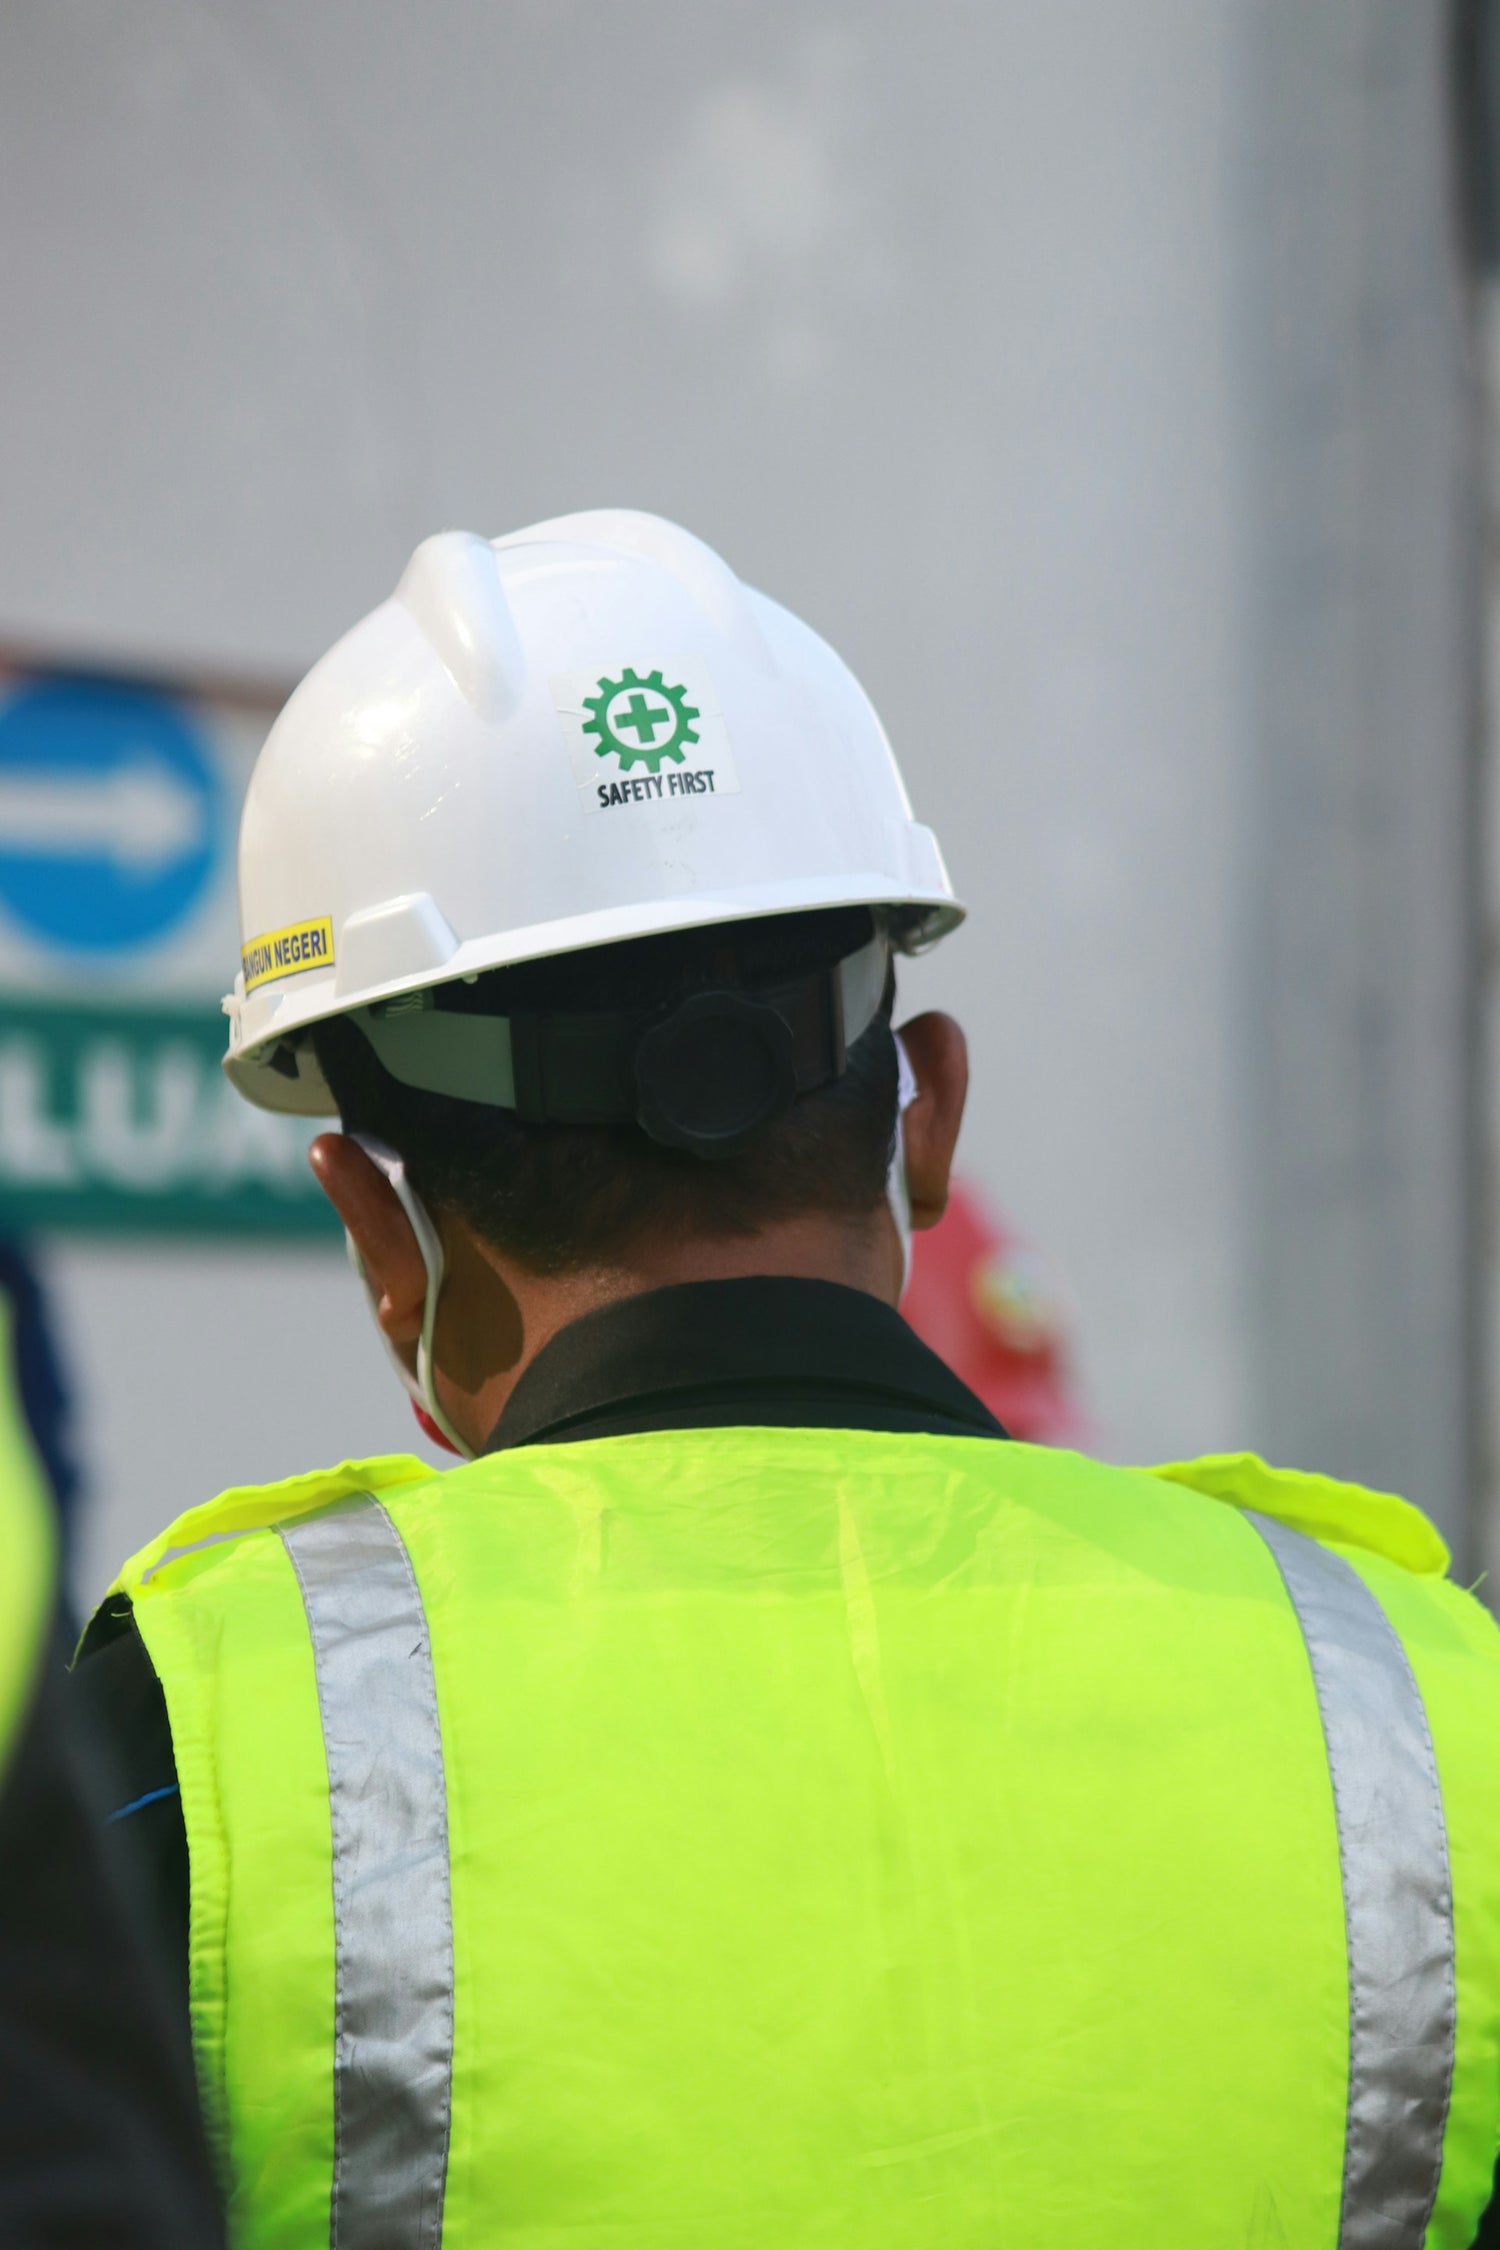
{"x":995,"y":1309}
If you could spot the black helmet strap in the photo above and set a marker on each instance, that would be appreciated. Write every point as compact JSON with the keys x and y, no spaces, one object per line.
{"x":705,"y":1072}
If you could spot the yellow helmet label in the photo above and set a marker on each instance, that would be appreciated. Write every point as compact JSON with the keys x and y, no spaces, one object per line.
{"x":288,"y":952}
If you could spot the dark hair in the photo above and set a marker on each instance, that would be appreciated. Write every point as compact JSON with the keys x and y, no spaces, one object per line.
{"x":561,"y":1197}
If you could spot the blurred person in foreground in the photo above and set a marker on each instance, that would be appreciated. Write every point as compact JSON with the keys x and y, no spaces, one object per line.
{"x":753,"y":1801}
{"x":101,"y":2144}
{"x":43,"y":1390}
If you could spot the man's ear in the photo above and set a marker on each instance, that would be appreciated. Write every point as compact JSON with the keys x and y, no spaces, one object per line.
{"x":380,"y":1230}
{"x":939,"y":1056}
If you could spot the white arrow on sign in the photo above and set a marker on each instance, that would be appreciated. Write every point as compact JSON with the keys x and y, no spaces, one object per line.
{"x":141,"y":815}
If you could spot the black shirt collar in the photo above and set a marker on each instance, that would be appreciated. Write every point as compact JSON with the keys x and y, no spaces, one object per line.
{"x":723,"y":1354}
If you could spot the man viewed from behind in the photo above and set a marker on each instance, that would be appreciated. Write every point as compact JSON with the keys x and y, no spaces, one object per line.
{"x":751,"y":1801}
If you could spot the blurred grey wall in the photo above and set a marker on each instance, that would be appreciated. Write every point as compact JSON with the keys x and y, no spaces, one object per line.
{"x":1362,"y":528}
{"x":948,"y":326}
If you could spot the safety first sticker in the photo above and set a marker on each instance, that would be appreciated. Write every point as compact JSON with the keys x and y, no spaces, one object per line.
{"x":645,"y":734}
{"x":286,"y":953}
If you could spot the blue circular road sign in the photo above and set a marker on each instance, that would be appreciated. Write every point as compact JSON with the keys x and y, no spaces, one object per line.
{"x":111,"y":813}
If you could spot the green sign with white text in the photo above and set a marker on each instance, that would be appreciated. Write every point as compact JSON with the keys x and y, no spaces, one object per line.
{"x":119,"y":1120}
{"x":119,"y":800}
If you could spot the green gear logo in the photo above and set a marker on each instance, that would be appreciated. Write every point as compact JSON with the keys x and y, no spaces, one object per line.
{"x":657,"y":716}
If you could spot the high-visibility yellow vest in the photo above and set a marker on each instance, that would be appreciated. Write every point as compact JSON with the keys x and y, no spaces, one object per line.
{"x":774,"y":1838}
{"x":27,"y":1542}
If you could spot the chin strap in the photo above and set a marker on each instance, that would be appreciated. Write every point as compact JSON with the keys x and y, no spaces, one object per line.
{"x":420,"y":1386}
{"x":897,"y":1192}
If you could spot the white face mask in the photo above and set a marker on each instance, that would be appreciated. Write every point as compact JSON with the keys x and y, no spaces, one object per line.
{"x":430,"y":1243}
{"x":897,"y":1192}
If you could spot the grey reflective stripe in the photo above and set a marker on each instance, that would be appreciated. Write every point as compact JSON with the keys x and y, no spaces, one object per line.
{"x":392,"y":1910}
{"x":1398,"y":1895}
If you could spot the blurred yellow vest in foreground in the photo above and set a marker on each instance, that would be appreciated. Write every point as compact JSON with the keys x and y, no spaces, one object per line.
{"x":27,"y":1543}
{"x":776,"y":1837}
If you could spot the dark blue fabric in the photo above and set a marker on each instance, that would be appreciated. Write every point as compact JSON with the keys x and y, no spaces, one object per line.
{"x":41,"y":1380}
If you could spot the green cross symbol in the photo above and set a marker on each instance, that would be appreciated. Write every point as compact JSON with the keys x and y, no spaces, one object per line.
{"x":645,"y":721}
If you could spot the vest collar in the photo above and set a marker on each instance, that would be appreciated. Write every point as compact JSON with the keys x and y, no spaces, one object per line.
{"x":752,"y":1352}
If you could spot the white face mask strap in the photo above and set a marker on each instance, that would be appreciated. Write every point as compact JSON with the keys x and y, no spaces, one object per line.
{"x":430,"y":1243}
{"x":897,"y":1192}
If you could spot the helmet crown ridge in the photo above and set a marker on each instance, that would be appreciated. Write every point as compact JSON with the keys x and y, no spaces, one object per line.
{"x":453,"y":589}
{"x":703,"y":575}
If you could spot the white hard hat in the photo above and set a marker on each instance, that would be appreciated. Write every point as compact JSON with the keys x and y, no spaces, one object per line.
{"x":586,"y":732}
